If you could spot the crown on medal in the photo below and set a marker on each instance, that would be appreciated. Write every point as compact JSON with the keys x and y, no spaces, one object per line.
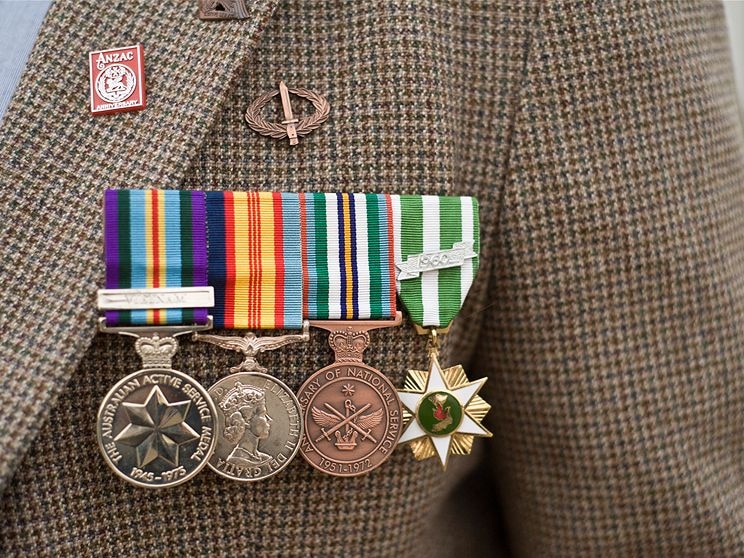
{"x":156,"y":351}
{"x":347,"y":442}
{"x":348,"y":345}
{"x":239,"y":396}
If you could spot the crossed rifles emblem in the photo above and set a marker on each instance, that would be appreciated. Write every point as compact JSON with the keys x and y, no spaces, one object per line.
{"x":351,"y":420}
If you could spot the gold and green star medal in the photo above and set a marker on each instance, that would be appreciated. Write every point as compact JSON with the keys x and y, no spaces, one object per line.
{"x":437,"y":242}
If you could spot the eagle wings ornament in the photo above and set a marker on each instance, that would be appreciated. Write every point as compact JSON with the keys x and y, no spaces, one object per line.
{"x":251,"y":345}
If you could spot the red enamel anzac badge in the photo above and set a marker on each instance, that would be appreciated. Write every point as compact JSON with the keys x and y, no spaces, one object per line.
{"x":117,"y":80}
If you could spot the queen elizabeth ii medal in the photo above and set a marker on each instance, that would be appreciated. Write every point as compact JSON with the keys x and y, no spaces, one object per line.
{"x":352,"y":413}
{"x":437,"y":258}
{"x":259,"y":421}
{"x":256,"y":268}
{"x":156,"y":426}
{"x":259,"y":426}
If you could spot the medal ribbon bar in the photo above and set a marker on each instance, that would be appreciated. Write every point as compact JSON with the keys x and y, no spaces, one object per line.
{"x":431,"y":234}
{"x":255,"y":261}
{"x":155,"y":239}
{"x":348,"y":254}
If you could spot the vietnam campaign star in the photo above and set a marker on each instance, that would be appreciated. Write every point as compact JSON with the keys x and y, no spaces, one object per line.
{"x":444,"y":412}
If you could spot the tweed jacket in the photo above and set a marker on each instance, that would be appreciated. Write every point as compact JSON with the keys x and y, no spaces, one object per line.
{"x":605,"y":147}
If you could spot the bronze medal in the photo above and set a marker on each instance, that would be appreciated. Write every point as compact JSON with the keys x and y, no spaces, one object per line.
{"x":352,"y":413}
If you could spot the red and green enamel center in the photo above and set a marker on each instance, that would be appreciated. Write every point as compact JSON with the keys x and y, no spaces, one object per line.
{"x":439,"y":413}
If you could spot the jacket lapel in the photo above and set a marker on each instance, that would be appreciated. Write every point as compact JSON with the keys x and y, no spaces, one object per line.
{"x":56,"y":159}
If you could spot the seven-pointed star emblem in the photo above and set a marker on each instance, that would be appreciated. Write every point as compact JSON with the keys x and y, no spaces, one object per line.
{"x":444,"y":412}
{"x":156,"y":428}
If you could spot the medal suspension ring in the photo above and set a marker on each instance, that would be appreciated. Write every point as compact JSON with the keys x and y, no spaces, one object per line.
{"x":278,"y":131}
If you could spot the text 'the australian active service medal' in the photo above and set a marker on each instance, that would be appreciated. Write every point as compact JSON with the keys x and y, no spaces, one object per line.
{"x":156,"y":427}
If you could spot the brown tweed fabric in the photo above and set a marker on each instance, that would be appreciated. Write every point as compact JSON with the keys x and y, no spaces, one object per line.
{"x":56,"y":159}
{"x":617,"y":335}
{"x":606,"y":152}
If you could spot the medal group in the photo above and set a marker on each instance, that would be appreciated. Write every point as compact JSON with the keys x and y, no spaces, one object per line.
{"x":181,"y":262}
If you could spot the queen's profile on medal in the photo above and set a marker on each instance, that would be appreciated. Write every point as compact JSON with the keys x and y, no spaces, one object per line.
{"x":246,"y":424}
{"x":259,"y":426}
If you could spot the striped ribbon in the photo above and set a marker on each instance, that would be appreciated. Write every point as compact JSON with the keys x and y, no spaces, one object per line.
{"x":276,"y":257}
{"x":154,"y":239}
{"x":255,"y":263}
{"x":347,"y":260}
{"x":429,"y":224}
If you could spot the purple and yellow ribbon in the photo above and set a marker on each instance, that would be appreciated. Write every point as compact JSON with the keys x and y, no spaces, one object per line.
{"x":155,"y":238}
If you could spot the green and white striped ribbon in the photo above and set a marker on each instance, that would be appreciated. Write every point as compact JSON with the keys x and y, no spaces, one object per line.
{"x":436,"y":255}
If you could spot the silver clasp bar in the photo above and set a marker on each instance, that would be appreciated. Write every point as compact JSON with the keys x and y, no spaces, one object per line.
{"x":162,"y":298}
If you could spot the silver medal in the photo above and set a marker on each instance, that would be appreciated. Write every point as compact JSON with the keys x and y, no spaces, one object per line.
{"x":156,"y":427}
{"x":259,"y":426}
{"x":259,"y":419}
